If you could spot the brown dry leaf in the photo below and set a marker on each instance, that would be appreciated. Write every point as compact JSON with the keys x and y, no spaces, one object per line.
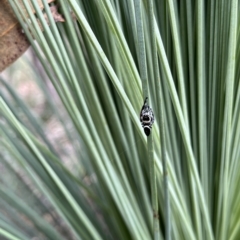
{"x":56,"y":15}
{"x":13,"y":42}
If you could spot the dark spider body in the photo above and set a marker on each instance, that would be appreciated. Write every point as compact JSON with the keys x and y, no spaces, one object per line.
{"x":146,"y":118}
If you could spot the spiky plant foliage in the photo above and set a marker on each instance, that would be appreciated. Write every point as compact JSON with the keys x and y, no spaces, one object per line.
{"x":182,"y":181}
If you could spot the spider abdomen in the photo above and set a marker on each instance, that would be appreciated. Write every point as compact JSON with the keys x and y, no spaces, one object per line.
{"x":146,"y":118}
